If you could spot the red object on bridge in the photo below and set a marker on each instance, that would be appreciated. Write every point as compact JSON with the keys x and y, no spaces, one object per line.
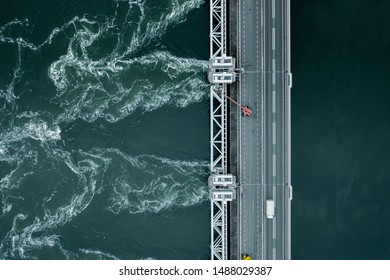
{"x":245,"y":110}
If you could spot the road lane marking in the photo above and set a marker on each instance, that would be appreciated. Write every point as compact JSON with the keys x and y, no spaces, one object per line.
{"x":273,"y":39}
{"x":274,"y":165}
{"x":273,"y":102}
{"x":273,"y":8}
{"x":273,"y":64}
{"x":274,"y":231}
{"x":274,"y":133}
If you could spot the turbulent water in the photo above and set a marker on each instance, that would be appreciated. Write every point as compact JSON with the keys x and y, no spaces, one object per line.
{"x":104,"y":137}
{"x":104,"y":129}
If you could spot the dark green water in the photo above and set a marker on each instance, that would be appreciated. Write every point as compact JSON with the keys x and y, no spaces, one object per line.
{"x":104,"y":140}
{"x":341,"y":129}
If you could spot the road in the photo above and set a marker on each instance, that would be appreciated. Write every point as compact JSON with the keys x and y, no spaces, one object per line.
{"x":251,"y":130}
{"x":264,"y":136}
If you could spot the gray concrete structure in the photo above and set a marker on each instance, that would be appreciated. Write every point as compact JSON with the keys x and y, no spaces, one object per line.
{"x":264,"y":138}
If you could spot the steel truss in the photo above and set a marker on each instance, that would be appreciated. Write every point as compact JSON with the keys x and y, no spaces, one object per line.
{"x":219,"y":230}
{"x":217,"y":28}
{"x":218,"y":127}
{"x":222,"y":185}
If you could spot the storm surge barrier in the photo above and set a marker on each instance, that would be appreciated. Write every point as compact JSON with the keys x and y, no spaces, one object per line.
{"x":222,"y":185}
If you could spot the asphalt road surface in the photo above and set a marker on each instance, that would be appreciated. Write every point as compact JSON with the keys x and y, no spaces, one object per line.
{"x":264,"y":136}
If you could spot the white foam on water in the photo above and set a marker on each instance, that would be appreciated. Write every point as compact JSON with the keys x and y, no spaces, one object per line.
{"x":16,"y":243}
{"x":35,"y":129}
{"x":97,"y":253}
{"x":20,"y":152}
{"x":147,"y":183}
{"x":23,"y":161}
{"x":134,"y":184}
{"x":21,"y":158}
{"x":90,"y":88}
{"x":144,"y":183}
{"x":19,"y":241}
{"x":8,"y":92}
{"x":41,"y":232}
{"x":4,"y":29}
{"x":115,"y":85}
{"x":21,"y":42}
{"x":172,"y":81}
{"x":156,"y":29}
{"x":41,"y":131}
{"x":24,"y":43}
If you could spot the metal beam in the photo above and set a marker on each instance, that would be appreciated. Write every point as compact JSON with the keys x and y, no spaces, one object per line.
{"x":218,"y":130}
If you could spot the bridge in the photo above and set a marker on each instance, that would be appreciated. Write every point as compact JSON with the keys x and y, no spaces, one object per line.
{"x":250,"y":153}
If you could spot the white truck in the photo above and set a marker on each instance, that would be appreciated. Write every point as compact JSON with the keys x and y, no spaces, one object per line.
{"x":270,"y":208}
